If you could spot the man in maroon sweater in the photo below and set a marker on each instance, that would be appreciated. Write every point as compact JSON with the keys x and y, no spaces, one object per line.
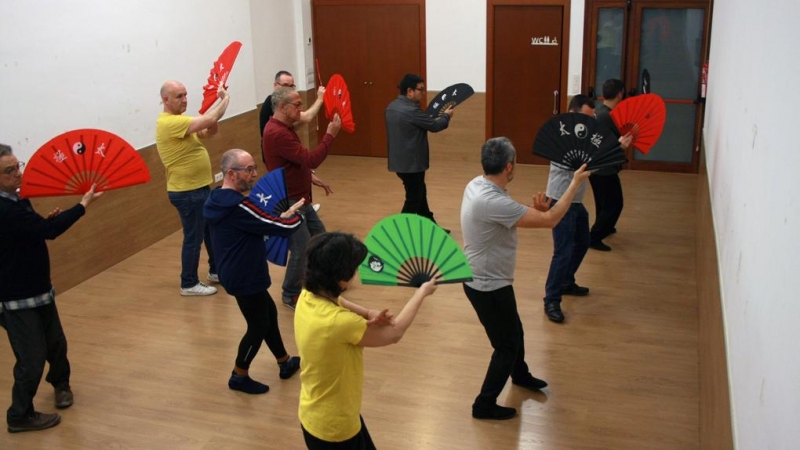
{"x":282,"y":148}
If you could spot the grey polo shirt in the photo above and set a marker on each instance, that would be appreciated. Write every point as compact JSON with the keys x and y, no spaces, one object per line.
{"x":488,"y":223}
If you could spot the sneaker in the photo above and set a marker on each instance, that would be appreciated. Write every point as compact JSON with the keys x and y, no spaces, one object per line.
{"x":493,"y":412}
{"x":198,"y":289}
{"x":243,"y":383}
{"x":290,"y":302}
{"x":213,"y":278}
{"x":34,"y":422}
{"x":574,"y":289}
{"x":289,"y":367}
{"x":316,"y":206}
{"x":530,"y":382}
{"x":64,"y":397}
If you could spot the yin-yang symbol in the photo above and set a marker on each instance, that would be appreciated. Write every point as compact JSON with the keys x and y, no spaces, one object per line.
{"x":581,"y":131}
{"x":78,"y":148}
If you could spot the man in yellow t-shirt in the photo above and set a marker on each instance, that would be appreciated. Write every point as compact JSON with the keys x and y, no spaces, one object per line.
{"x":189,"y":175}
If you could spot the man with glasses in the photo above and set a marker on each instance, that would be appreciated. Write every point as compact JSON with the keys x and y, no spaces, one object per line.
{"x":238,"y":227}
{"x":407,"y":129}
{"x":27,"y":299}
{"x":282,"y":148}
{"x":189,"y":177}
{"x":285,"y":79}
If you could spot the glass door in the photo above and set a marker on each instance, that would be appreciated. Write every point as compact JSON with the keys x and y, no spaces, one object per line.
{"x":668,"y":39}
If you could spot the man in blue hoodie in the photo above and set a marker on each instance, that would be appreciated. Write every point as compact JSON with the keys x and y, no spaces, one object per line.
{"x":238,"y":228}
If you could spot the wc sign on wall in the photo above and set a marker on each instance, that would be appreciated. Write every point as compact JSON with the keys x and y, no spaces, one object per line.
{"x":546,"y":40}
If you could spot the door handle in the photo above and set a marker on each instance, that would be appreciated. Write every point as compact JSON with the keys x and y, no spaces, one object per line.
{"x":555,"y":102}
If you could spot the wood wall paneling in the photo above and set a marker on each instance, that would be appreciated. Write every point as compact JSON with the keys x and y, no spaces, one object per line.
{"x":715,"y":409}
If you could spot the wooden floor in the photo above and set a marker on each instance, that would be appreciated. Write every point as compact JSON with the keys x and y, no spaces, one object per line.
{"x":150,"y":367}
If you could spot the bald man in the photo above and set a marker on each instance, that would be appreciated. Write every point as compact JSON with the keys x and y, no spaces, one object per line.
{"x":189,"y":176}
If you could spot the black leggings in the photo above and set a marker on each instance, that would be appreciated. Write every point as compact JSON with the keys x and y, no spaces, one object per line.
{"x":361,"y":441}
{"x":262,"y":324}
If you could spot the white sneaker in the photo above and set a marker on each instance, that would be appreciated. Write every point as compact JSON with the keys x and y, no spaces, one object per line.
{"x":199,"y":289}
{"x":316,"y":206}
{"x":213,"y":278}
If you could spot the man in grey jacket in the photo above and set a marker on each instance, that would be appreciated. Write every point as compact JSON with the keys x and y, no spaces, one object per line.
{"x":407,"y":129}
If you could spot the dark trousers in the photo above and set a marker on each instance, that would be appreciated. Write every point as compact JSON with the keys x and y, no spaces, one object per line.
{"x":195,"y":231}
{"x":36,"y":336}
{"x":607,"y":205}
{"x":416,"y":194}
{"x":261,"y":315}
{"x":497,"y":311}
{"x":361,"y":441}
{"x":570,"y":243}
{"x":296,"y":266}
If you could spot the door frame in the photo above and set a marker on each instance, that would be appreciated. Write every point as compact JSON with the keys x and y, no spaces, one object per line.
{"x":630,"y":66}
{"x":490,"y":6}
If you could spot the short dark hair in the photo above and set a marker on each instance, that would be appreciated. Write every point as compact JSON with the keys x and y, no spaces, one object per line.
{"x":5,"y":150}
{"x":579,"y":101}
{"x":281,"y":72}
{"x":409,"y":81}
{"x":612,"y":87}
{"x":331,"y":258}
{"x":496,"y":153}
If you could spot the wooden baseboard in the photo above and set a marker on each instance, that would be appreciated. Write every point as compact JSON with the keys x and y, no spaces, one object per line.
{"x":715,"y":409}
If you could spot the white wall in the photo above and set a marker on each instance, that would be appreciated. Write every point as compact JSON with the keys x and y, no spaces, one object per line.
{"x":100,"y":64}
{"x":456,"y":53}
{"x":753,"y":160}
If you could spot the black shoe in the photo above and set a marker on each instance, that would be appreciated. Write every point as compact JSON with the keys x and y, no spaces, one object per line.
{"x":574,"y":289}
{"x":289,"y":367}
{"x":446,"y":230}
{"x":290,"y":302}
{"x":530,"y":382}
{"x":35,"y":422}
{"x":553,"y":312}
{"x":493,"y":412}
{"x":64,"y":397}
{"x":613,"y":230}
{"x":600,"y":246}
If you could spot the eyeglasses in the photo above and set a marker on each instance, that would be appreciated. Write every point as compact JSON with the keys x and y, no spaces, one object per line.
{"x":251,"y":169}
{"x":296,"y":104}
{"x":10,"y":170}
{"x":287,"y":85}
{"x":422,"y":89}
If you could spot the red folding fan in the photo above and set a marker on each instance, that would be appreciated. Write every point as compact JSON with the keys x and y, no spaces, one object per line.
{"x":643,"y":116}
{"x":71,"y":162}
{"x":219,"y":75}
{"x":337,"y":100}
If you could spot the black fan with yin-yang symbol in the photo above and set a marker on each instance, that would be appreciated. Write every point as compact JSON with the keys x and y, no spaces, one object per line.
{"x":572,"y":139}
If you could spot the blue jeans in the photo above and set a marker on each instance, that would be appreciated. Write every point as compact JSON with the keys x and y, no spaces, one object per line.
{"x":296,"y":266}
{"x":195,"y":231}
{"x":570,"y":243}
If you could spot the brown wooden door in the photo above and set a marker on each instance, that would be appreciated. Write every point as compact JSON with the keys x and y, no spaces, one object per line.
{"x":526,"y":71}
{"x":372,"y":45}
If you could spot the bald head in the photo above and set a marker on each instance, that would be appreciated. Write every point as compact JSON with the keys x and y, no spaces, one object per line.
{"x":173,"y":96}
{"x":233,"y":158}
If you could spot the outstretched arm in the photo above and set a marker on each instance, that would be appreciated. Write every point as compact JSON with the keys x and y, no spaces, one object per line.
{"x":537,"y":217}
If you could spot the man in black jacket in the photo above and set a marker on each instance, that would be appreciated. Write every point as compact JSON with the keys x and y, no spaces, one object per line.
{"x":238,"y":227}
{"x":27,"y":299}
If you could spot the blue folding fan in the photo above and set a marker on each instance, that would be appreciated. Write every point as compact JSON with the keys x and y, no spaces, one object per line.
{"x":270,"y":195}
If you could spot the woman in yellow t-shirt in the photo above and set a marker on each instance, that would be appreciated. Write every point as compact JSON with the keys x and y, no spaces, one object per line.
{"x":331,"y":333}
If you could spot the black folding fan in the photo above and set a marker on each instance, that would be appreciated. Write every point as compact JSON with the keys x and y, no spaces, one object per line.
{"x":572,"y":139}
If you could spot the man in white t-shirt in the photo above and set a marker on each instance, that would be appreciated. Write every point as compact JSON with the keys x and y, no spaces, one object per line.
{"x":489,"y":221}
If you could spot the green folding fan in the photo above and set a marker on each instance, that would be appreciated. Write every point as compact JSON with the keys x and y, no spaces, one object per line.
{"x":408,"y":250}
